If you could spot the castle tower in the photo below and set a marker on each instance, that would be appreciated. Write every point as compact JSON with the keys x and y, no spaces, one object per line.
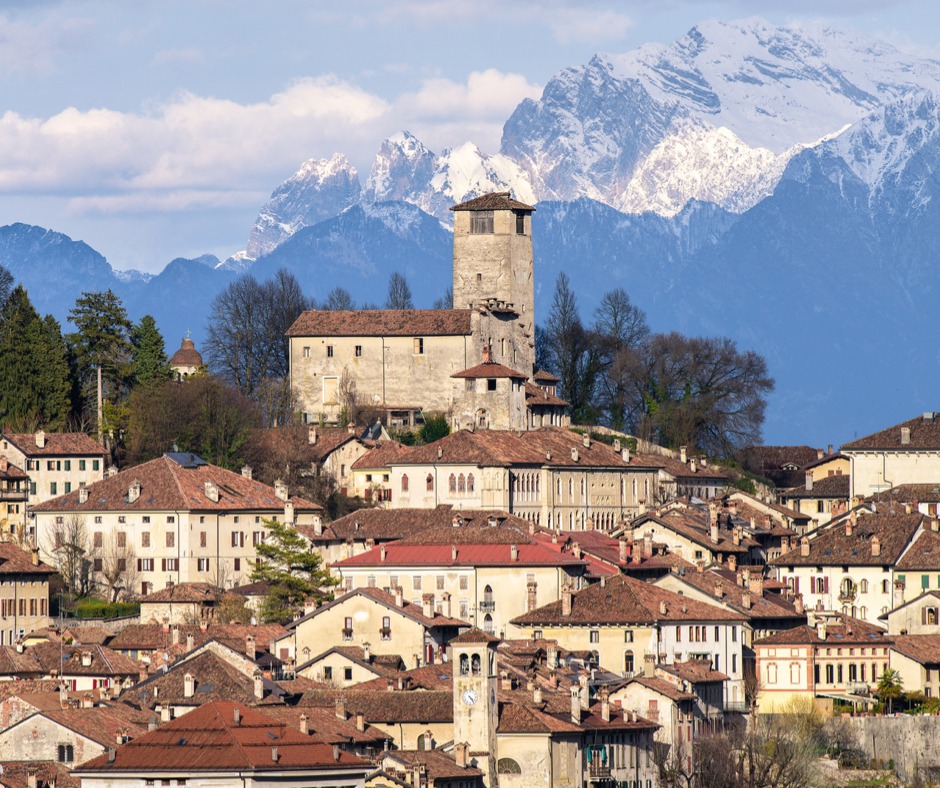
{"x":493,"y":273}
{"x":476,"y":710}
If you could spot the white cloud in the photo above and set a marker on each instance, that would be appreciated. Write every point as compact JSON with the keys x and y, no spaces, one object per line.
{"x":486,"y":94}
{"x":28,"y":47}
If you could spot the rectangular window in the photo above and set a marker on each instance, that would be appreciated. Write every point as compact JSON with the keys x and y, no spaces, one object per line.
{"x":520,"y":224}
{"x":98,"y":539}
{"x":145,"y":519}
{"x":481,"y":222}
{"x":329,"y":351}
{"x":330,"y":390}
{"x":440,"y":582}
{"x":81,"y":465}
{"x":96,"y":465}
{"x":358,"y":351}
{"x":238,"y":564}
{"x":171,"y":539}
{"x":306,"y":352}
{"x":68,"y":465}
{"x":464,"y":583}
{"x":145,"y":539}
{"x":491,"y":384}
{"x":122,"y":539}
{"x":419,"y":346}
{"x":416,"y":582}
{"x":68,"y":487}
{"x":328,"y":673}
{"x":203,"y":564}
{"x":53,"y":488}
{"x":203,"y":539}
{"x":145,"y":564}
{"x":172,"y":565}
{"x":925,"y":582}
{"x":595,"y":636}
{"x":347,"y":674}
{"x":170,"y":518}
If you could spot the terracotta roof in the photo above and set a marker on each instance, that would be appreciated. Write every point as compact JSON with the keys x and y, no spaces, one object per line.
{"x":384,"y":706}
{"x":923,"y":433}
{"x":548,"y":446}
{"x":151,"y":637}
{"x":323,"y":725}
{"x":412,"y":611}
{"x":382,"y":322}
{"x":68,"y":660}
{"x":536,"y":396}
{"x":489,"y":369}
{"x":187,"y":355}
{"x":763,"y":459}
{"x":908,"y":493}
{"x":88,"y":634}
{"x":924,"y":649}
{"x":494,"y":201}
{"x":184,"y":592}
{"x":16,"y":774}
{"x":101,"y":724}
{"x":437,"y":764}
{"x":696,"y":671}
{"x":210,"y":739}
{"x":840,"y":629}
{"x":767,"y":605}
{"x":833,"y":547}
{"x":542,"y":376}
{"x":923,"y":554}
{"x":215,"y":679}
{"x":683,"y":470}
{"x":380,"y":456}
{"x":692,"y":525}
{"x":664,"y":687}
{"x":380,"y":664}
{"x":437,"y":549}
{"x":14,"y":663}
{"x":623,"y":600}
{"x":57,"y":444}
{"x":10,"y":472}
{"x":166,"y":484}
{"x":474,"y":635}
{"x":428,"y":677}
{"x":14,"y":560}
{"x":825,"y":458}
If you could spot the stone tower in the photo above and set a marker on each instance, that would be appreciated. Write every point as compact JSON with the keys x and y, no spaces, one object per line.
{"x":493,"y":274}
{"x":476,"y":710}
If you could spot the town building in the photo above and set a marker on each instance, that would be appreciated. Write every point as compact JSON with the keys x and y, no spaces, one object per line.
{"x":401,"y":362}
{"x":173,"y":520}
{"x":186,"y":361}
{"x":222,"y":743}
{"x":24,"y":592}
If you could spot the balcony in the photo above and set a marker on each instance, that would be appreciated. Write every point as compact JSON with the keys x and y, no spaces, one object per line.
{"x":487,"y":606}
{"x":736,"y":706}
{"x":347,"y":634}
{"x":598,"y":771}
{"x":12,"y":494}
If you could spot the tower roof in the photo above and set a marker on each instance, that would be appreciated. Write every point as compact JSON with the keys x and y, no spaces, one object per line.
{"x":187,"y":355}
{"x":494,"y":201}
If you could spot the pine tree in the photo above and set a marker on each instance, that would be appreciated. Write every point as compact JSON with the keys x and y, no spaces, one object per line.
{"x":54,"y":376}
{"x":101,"y":345}
{"x":292,"y":570}
{"x":149,"y":351}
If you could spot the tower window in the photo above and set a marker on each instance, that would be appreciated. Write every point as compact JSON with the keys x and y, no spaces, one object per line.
{"x":520,"y":224}
{"x":479,"y":278}
{"x":491,"y":384}
{"x":419,"y":346}
{"x":481,"y":223}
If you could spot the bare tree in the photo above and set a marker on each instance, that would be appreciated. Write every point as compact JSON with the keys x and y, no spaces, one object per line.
{"x":348,"y":397}
{"x":446,"y":301}
{"x":119,"y":568}
{"x":399,"y":293}
{"x":72,"y":555}
{"x":339,"y":298}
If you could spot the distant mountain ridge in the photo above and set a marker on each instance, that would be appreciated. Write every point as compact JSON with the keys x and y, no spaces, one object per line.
{"x":775,"y":185}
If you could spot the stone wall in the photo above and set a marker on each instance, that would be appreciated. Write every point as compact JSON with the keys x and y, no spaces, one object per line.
{"x":909,"y":740}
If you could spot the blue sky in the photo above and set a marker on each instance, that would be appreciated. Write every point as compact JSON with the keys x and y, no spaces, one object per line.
{"x":155,"y":129}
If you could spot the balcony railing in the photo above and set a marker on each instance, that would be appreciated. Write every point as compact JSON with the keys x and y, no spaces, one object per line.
{"x":739,"y":706}
{"x":599,"y":771}
{"x":487,"y":606}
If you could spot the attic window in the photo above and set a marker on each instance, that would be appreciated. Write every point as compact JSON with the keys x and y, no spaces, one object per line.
{"x":481,"y":223}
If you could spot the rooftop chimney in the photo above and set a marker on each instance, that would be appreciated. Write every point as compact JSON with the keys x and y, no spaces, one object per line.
{"x":566,"y":596}
{"x":133,"y":492}
{"x":460,"y":754}
{"x":575,"y":706}
{"x":360,"y":721}
{"x":212,"y":492}
{"x":875,"y":547}
{"x":247,"y":471}
{"x":341,"y":709}
{"x":809,"y":480}
{"x":798,"y":604}
{"x":616,"y":445}
{"x":530,"y":593}
{"x":40,"y":440}
{"x":351,"y":428}
{"x":35,"y":556}
{"x":574,"y":454}
{"x":714,"y":532}
{"x":280,"y":490}
{"x":513,"y":552}
{"x":259,"y":686}
{"x":905,"y":436}
{"x":189,"y":685}
{"x":586,"y":441}
{"x":746,"y":600}
{"x":683,"y":458}
{"x":821,"y":629}
{"x":605,"y":706}
{"x":289,"y":512}
{"x":664,"y":608}
{"x":819,"y":454}
{"x":804,"y":547}
{"x":427,"y":605}
{"x":623,"y":552}
{"x":238,"y":716}
{"x":312,"y":435}
{"x":382,"y":552}
{"x":304,"y":725}
{"x":399,"y":596}
{"x":82,"y":494}
{"x":190,"y":641}
{"x":250,"y":651}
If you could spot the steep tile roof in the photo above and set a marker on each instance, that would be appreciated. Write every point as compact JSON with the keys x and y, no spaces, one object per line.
{"x":623,"y":600}
{"x":908,"y":493}
{"x":14,"y":560}
{"x":17,"y":774}
{"x":494,"y":201}
{"x":14,"y":663}
{"x":683,"y":470}
{"x":536,"y":396}
{"x":544,"y":376}
{"x":381,"y":664}
{"x":151,"y":637}
{"x":923,"y":433}
{"x":695,"y":671}
{"x":729,"y":591}
{"x":380,"y":456}
{"x":470,"y":551}
{"x":184,"y":592}
{"x":168,"y":485}
{"x":664,"y":687}
{"x":210,"y":739}
{"x":438,"y":765}
{"x":835,"y":547}
{"x":101,"y":724}
{"x":67,"y":660}
{"x":840,"y":630}
{"x":57,"y":444}
{"x":826,"y":487}
{"x":382,"y":322}
{"x":924,"y":649}
{"x":474,"y":635}
{"x":693,"y":526}
{"x":388,"y":706}
{"x":325,"y":726}
{"x":923,"y":554}
{"x":489,"y":369}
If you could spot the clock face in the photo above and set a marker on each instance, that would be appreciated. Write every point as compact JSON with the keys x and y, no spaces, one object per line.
{"x":469,"y":697}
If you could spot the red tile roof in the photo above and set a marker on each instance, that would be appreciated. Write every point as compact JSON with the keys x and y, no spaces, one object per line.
{"x":922,"y":433}
{"x":67,"y":660}
{"x":623,"y":600}
{"x":380,"y":456}
{"x":184,"y":592}
{"x":664,"y":687}
{"x":166,"y":485}
{"x":696,"y":671}
{"x":426,"y":553}
{"x":187,"y":355}
{"x":383,"y":706}
{"x":536,"y":396}
{"x":489,"y":369}
{"x":924,"y":649}
{"x":378,"y":595}
{"x":14,"y":560}
{"x":210,"y":739}
{"x":545,"y":377}
{"x":382,"y":322}
{"x":840,"y":629}
{"x":57,"y":444}
{"x":17,"y":774}
{"x":494,"y":201}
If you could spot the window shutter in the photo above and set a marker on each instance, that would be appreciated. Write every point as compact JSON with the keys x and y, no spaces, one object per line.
{"x":163,"y":564}
{"x":139,"y":564}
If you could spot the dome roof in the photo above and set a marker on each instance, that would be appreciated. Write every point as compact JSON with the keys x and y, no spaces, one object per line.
{"x":187,"y":355}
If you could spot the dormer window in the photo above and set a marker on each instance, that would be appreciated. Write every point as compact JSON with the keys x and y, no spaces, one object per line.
{"x":481,"y":223}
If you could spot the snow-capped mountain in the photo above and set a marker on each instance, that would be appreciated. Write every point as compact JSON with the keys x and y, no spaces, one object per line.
{"x":320,"y":189}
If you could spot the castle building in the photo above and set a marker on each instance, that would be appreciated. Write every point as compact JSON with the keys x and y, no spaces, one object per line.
{"x":403,"y":361}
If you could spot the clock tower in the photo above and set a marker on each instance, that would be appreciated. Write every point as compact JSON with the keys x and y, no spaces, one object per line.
{"x":476,"y":709}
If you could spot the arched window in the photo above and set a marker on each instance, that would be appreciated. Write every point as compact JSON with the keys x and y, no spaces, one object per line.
{"x":628,"y":664}
{"x":863,"y":586}
{"x":464,"y":665}
{"x":404,"y":482}
{"x":461,"y":484}
{"x":470,"y":483}
{"x":451,"y":484}
{"x":475,"y":663}
{"x":430,"y":483}
{"x":507,"y":766}
{"x":488,"y":594}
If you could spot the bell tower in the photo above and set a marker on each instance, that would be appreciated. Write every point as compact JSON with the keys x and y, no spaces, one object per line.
{"x":493,"y":274}
{"x":476,"y":709}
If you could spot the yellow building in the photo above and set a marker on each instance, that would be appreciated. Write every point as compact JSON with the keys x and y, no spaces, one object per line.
{"x":24,"y":593}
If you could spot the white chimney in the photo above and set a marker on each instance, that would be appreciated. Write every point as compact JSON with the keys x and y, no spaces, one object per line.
{"x":82,"y":494}
{"x":189,"y":685}
{"x":212,"y":492}
{"x":40,"y":440}
{"x":133,"y":492}
{"x":247,"y":471}
{"x":280,"y":490}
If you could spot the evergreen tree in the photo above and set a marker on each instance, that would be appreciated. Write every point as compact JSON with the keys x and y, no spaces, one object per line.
{"x":293,"y":571}
{"x":35,"y":376}
{"x":102,"y":346}
{"x":149,"y":351}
